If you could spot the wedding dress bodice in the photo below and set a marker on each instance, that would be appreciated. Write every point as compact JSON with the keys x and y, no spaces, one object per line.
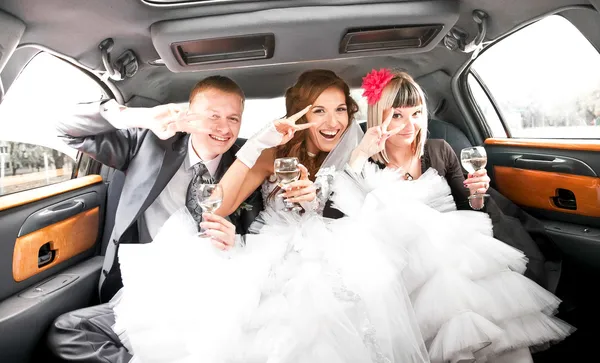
{"x":268,"y":186}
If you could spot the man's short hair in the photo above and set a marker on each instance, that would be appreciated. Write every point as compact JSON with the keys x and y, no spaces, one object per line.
{"x":221,"y":83}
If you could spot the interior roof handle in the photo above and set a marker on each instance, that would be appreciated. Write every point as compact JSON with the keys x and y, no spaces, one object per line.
{"x":105,"y":48}
{"x":456,"y":39}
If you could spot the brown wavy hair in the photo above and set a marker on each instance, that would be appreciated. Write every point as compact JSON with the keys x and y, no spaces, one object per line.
{"x":307,"y":89}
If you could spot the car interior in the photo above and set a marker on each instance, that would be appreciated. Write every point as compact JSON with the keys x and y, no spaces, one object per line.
{"x":148,"y":52}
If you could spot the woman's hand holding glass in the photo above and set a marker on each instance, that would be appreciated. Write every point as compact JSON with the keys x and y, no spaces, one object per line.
{"x":474,"y":160}
{"x":293,"y":180}
{"x":302,"y":190}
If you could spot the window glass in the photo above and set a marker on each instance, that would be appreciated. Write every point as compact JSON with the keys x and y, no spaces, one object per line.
{"x":257,"y":112}
{"x":546,"y":81}
{"x":486,"y":107}
{"x":30,"y":153}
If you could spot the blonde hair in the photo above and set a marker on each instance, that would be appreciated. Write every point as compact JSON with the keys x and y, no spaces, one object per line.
{"x":221,"y":83}
{"x":401,"y":91}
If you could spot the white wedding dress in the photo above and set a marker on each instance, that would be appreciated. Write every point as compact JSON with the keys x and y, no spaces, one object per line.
{"x":404,"y":277}
{"x":305,"y":289}
{"x":469,"y":295}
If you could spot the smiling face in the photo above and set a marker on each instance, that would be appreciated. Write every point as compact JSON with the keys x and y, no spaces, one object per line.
{"x":405,"y":98}
{"x":410,"y":119}
{"x":222,"y":114}
{"x":329,"y":114}
{"x":332,"y":108}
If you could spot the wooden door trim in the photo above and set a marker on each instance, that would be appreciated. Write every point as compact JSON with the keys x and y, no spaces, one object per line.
{"x":67,"y":239}
{"x":560,"y":144}
{"x":535,"y":189}
{"x":33,"y":195}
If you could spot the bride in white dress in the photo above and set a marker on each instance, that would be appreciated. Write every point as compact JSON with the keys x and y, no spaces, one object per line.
{"x":402,"y":277}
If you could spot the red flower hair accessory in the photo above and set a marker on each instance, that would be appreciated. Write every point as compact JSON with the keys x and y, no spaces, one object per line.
{"x":374,"y":83}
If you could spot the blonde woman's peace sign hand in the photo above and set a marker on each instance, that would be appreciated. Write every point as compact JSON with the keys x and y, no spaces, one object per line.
{"x":376,"y":136}
{"x":373,"y":141}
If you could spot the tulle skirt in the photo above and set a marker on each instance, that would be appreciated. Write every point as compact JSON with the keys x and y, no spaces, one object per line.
{"x":304,"y":290}
{"x":404,"y":277}
{"x":467,"y":289}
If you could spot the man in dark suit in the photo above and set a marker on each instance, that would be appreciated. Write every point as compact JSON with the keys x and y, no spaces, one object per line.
{"x":163,"y":168}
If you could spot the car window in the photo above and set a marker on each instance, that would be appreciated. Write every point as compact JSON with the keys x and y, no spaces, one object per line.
{"x":257,"y":112}
{"x":545,"y":81}
{"x":486,"y":107}
{"x":31,"y":155}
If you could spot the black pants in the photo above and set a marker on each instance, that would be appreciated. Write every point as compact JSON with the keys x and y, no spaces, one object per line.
{"x":86,"y":335}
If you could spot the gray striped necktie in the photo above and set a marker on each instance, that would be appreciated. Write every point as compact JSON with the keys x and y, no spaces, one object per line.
{"x":200,"y":176}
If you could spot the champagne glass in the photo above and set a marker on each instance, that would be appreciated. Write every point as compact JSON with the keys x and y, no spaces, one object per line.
{"x":209,"y":197}
{"x":287,"y":171}
{"x":473,"y":159}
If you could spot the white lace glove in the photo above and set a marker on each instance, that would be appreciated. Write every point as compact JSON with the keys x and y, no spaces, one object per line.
{"x":274,"y":134}
{"x":266,"y":138}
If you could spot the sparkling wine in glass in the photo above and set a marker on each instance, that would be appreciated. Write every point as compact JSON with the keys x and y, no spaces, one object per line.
{"x":287,"y":171}
{"x":474,"y":159}
{"x":210,"y":197}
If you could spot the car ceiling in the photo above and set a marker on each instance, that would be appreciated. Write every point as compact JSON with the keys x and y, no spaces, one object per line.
{"x":75,"y":29}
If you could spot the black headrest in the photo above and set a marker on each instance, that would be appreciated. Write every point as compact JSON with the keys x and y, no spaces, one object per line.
{"x":363,"y":126}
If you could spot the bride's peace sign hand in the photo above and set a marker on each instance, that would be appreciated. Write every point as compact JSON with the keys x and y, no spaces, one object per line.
{"x":287,"y":126}
{"x":376,"y":136}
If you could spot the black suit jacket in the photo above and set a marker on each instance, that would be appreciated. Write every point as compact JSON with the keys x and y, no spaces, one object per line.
{"x":149,"y":163}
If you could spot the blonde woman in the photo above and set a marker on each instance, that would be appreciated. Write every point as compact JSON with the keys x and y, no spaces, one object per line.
{"x":471,"y":300}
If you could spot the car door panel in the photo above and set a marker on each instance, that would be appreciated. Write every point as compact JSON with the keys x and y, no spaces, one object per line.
{"x":554,"y":180}
{"x":49,"y":238}
{"x":559,"y":185}
{"x":564,"y":193}
{"x":580,"y":243}
{"x":25,"y":317}
{"x":59,"y":212}
{"x":557,"y":182}
{"x":64,"y":239}
{"x":16,"y":214}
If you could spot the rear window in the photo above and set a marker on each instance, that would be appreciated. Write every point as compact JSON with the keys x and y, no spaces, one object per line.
{"x":257,"y":112}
